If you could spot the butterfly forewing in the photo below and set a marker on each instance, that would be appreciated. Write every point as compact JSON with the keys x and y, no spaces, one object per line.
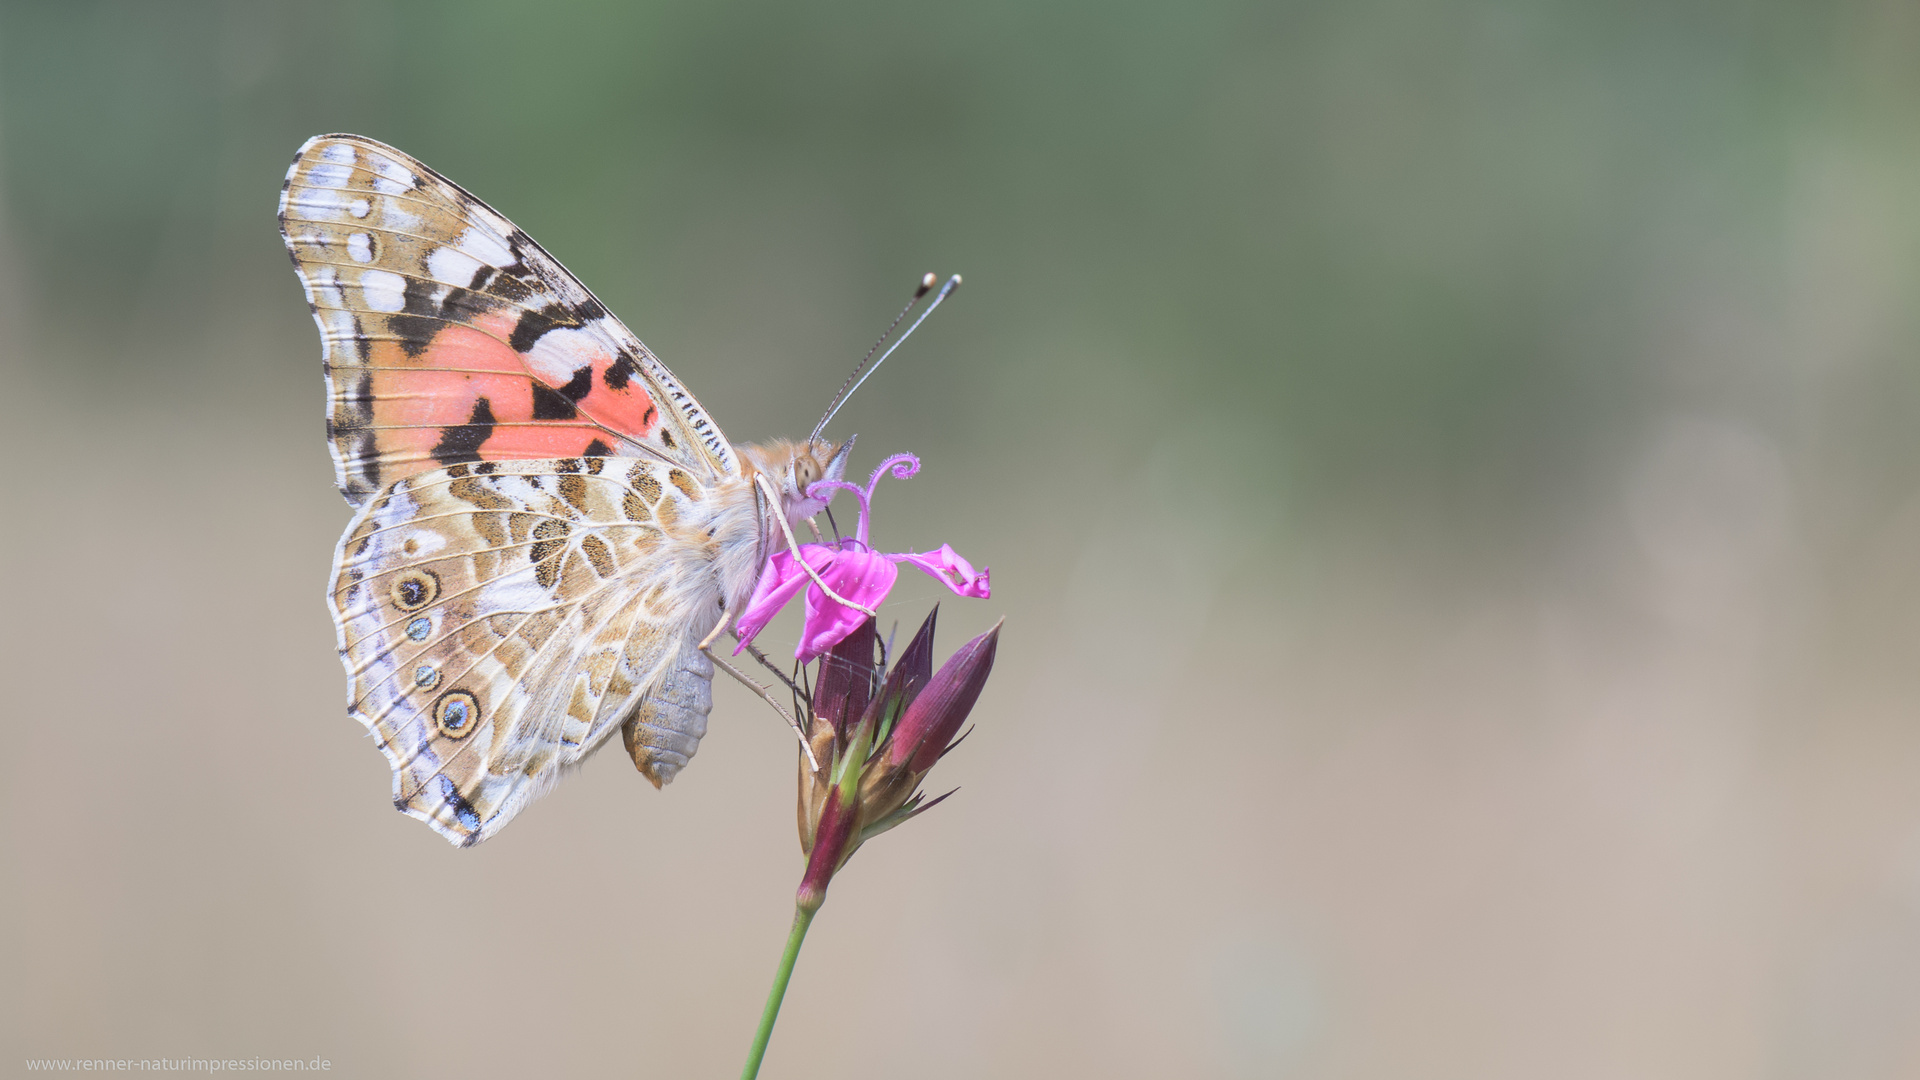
{"x":498,"y":621}
{"x":449,"y":336}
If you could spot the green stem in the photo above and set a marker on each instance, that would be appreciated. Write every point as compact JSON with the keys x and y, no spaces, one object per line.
{"x":802,"y":918}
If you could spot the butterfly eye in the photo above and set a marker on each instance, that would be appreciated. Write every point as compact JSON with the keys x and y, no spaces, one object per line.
{"x":454,"y":713}
{"x":415,"y":589}
{"x":805,"y":472}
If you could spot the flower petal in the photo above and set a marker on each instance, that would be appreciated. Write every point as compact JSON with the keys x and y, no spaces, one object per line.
{"x":952,"y":571}
{"x":780,"y":582}
{"x":863,"y":577}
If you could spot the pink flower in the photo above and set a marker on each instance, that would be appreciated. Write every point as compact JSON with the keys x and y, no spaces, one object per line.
{"x":852,"y":569}
{"x":874,"y":735}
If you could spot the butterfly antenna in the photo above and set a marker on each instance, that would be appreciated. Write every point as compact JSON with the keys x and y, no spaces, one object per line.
{"x":854,"y":380}
{"x":926,"y":286}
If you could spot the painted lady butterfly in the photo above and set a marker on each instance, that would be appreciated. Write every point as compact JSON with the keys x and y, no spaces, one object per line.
{"x":548,"y":525}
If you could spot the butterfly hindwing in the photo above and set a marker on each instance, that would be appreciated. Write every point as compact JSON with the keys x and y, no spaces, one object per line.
{"x":499,"y":620}
{"x":451,"y":337}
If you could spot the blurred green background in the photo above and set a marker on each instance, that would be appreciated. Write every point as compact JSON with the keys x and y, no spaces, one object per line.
{"x":1450,"y":472}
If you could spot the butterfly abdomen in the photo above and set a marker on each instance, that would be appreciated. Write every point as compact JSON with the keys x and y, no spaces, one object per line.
{"x":662,"y":734}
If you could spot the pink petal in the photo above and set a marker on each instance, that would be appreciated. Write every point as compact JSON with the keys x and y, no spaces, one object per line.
{"x":952,"y":571}
{"x":863,"y":577}
{"x":780,"y":582}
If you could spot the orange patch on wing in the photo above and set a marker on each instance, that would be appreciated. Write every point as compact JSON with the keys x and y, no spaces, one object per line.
{"x":547,"y":439}
{"x":629,"y":410}
{"x":616,"y":394}
{"x":417,"y":398}
{"x":439,"y":386}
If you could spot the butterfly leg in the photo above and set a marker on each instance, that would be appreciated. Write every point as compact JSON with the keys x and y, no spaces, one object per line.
{"x":706,"y":643}
{"x":754,"y":651}
{"x":766,"y":695}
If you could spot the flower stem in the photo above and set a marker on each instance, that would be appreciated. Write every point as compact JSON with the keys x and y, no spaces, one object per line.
{"x":802,"y":918}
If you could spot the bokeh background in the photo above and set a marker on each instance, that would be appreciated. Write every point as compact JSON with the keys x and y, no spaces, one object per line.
{"x":1451,"y":473}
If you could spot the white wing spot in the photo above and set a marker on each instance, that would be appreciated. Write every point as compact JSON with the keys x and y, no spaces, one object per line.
{"x":340,"y":153}
{"x":329,"y":176}
{"x":390,"y":178}
{"x":359,"y":208}
{"x":557,"y":354}
{"x":485,"y":246}
{"x":514,"y":592}
{"x":452,"y":266}
{"x":395,"y":217}
{"x":323,"y":287}
{"x":360,"y":246}
{"x":383,"y":290}
{"x":337,"y":327}
{"x":320,"y":202}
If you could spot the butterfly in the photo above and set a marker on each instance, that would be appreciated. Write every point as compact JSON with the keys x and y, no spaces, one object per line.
{"x":547,"y":525}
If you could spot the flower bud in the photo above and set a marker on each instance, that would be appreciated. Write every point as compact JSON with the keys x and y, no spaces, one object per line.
{"x":872,"y":744}
{"x":914,"y":666}
{"x":846,"y":679}
{"x":829,"y":850}
{"x":935,"y":714}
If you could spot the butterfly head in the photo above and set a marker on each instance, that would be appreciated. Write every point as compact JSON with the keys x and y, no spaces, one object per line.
{"x":795,"y":466}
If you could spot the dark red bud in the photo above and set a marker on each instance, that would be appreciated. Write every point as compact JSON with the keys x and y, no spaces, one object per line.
{"x":936,"y":713}
{"x":911,"y":670}
{"x":845,"y":684}
{"x":915,"y":664}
